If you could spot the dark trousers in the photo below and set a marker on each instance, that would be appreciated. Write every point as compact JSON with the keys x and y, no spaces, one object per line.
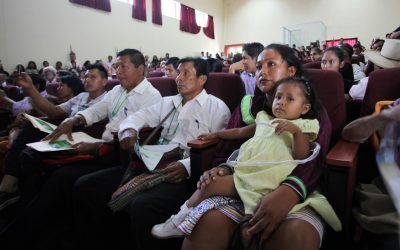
{"x":98,"y":228}
{"x":46,"y":221}
{"x":12,"y":161}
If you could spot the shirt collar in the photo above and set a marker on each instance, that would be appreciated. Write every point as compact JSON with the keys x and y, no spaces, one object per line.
{"x":200,"y":98}
{"x":141,"y":87}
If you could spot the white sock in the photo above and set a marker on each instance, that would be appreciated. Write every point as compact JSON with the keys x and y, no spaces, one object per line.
{"x":181,"y":215}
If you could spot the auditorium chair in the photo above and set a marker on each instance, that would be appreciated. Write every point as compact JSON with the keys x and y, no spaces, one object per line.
{"x":312,"y":65}
{"x":155,"y":74}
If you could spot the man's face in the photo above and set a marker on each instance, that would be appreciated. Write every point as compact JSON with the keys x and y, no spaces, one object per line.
{"x":93,"y":81}
{"x":170,"y":71}
{"x":189,"y":85}
{"x":72,"y":57}
{"x":49,"y":75}
{"x":249,"y":63}
{"x":128,"y":74}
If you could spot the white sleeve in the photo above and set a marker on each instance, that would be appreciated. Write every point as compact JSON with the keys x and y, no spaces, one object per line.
{"x":358,"y":91}
{"x":147,"y":117}
{"x":186,"y":164}
{"x":97,"y":111}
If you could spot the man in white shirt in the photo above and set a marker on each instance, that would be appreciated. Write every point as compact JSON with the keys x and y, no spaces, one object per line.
{"x":192,"y":112}
{"x":133,"y":93}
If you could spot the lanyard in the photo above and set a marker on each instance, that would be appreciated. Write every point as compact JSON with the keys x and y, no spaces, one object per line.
{"x":163,"y":140}
{"x":118,"y":104}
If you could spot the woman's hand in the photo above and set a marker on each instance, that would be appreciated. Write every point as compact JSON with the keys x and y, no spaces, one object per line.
{"x":211,"y":175}
{"x":208,"y":136}
{"x":271,"y":210}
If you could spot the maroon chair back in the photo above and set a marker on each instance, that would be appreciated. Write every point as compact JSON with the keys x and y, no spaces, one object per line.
{"x":13,"y":92}
{"x":155,"y":74}
{"x":312,"y":65}
{"x":51,"y":89}
{"x":111,"y":84}
{"x":329,"y":88}
{"x":226,"y":86}
{"x":383,"y":84}
{"x":166,"y":86}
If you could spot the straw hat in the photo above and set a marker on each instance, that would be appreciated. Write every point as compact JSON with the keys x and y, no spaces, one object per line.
{"x":388,"y":57}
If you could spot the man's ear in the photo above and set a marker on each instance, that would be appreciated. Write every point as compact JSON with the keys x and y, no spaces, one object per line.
{"x":341,"y":65}
{"x":203,"y":79}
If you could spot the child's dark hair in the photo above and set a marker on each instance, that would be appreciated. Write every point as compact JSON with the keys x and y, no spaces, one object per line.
{"x":309,"y":93}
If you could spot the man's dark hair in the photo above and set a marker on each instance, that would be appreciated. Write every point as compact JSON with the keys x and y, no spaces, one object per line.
{"x":100,"y":68}
{"x":135,"y":56}
{"x":202,"y":67}
{"x":253,"y":49}
{"x":174,"y":61}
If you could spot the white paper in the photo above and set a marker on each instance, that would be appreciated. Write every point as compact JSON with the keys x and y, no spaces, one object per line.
{"x":152,"y":154}
{"x":40,"y":124}
{"x":63,"y":143}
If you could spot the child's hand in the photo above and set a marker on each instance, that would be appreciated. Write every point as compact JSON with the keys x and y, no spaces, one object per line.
{"x":208,"y":136}
{"x":285,"y":126}
{"x":211,"y":175}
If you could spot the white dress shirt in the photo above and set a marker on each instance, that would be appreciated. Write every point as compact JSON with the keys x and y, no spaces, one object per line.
{"x":79,"y":103}
{"x":118,"y":104}
{"x":203,"y":114}
{"x":357,"y":91}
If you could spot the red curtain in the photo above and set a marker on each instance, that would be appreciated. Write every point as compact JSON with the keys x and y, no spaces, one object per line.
{"x":96,"y":4}
{"x":156,"y":12}
{"x":188,"y":20}
{"x":139,"y":10}
{"x":209,"y":30}
{"x":351,"y":41}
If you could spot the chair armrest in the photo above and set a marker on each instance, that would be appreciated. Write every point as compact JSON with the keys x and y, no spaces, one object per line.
{"x":202,"y":154}
{"x":340,"y":179}
{"x":343,"y":154}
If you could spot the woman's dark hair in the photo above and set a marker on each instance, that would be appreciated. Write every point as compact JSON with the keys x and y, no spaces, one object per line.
{"x":73,"y":83}
{"x":33,"y":63}
{"x":288,"y":55}
{"x":215,"y":65}
{"x":337,"y":51}
{"x":237,"y":57}
{"x":20,"y":68}
{"x":39,"y":81}
{"x":309,"y":94}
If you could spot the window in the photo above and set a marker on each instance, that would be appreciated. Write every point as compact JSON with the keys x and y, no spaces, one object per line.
{"x":130,"y":2}
{"x":201,"y":18}
{"x":171,"y":8}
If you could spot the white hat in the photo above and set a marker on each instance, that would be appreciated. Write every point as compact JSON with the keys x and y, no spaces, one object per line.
{"x":388,"y":57}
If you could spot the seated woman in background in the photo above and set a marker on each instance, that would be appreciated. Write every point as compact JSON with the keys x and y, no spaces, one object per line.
{"x":333,"y":59}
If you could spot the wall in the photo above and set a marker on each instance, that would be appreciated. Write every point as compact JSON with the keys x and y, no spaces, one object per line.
{"x":262,"y":20}
{"x":44,"y":30}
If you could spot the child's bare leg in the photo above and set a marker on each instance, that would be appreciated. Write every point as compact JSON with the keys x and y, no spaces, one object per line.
{"x":223,"y":186}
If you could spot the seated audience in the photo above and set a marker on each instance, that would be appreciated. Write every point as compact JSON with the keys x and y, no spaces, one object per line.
{"x":171,"y":67}
{"x":316,"y":54}
{"x":31,"y":68}
{"x":358,"y":69}
{"x":386,"y":58}
{"x":333,"y":59}
{"x":154,"y":205}
{"x":247,"y":66}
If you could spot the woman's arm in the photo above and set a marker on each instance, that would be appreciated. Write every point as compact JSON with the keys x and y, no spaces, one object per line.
{"x":231,"y":134}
